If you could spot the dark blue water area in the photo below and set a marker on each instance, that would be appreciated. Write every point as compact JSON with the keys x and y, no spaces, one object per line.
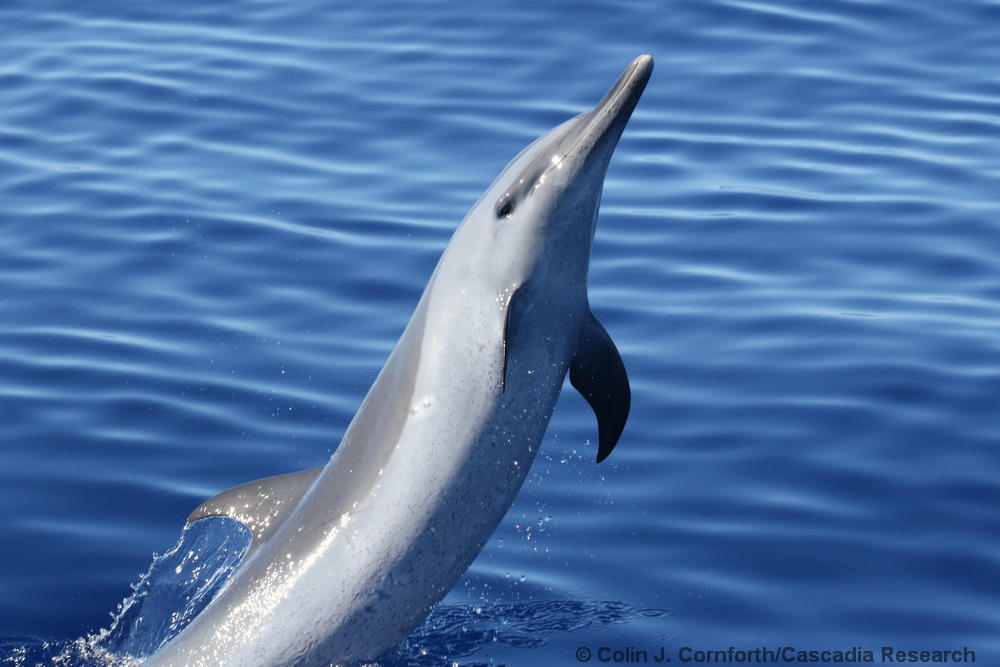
{"x":218,"y":217}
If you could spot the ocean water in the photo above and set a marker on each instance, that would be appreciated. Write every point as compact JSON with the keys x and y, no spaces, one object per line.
{"x":217,"y":218}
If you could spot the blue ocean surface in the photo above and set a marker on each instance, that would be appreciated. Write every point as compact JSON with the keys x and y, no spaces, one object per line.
{"x":218,"y":217}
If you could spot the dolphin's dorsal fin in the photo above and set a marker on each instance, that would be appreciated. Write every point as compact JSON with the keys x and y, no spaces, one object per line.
{"x":598,"y":373}
{"x":262,"y":504}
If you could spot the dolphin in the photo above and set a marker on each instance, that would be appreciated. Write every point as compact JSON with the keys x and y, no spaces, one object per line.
{"x":347,"y":559}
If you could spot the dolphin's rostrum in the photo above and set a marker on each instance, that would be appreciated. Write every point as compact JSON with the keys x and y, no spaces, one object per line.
{"x":347,"y":559}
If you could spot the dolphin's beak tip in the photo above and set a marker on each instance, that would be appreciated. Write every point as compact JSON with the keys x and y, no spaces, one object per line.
{"x":643,"y":66}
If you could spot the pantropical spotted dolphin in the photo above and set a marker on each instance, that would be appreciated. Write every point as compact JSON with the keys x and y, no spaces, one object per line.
{"x":347,"y":559}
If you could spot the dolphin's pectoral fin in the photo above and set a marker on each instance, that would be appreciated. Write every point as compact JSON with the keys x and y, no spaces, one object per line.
{"x":262,"y":504}
{"x":598,"y":373}
{"x":509,"y":329}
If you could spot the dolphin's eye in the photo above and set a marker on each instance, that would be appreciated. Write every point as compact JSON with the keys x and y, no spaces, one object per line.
{"x":505,"y":206}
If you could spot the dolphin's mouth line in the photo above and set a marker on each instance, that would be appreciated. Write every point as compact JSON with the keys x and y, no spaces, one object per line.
{"x":631,"y":83}
{"x":617,"y":103}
